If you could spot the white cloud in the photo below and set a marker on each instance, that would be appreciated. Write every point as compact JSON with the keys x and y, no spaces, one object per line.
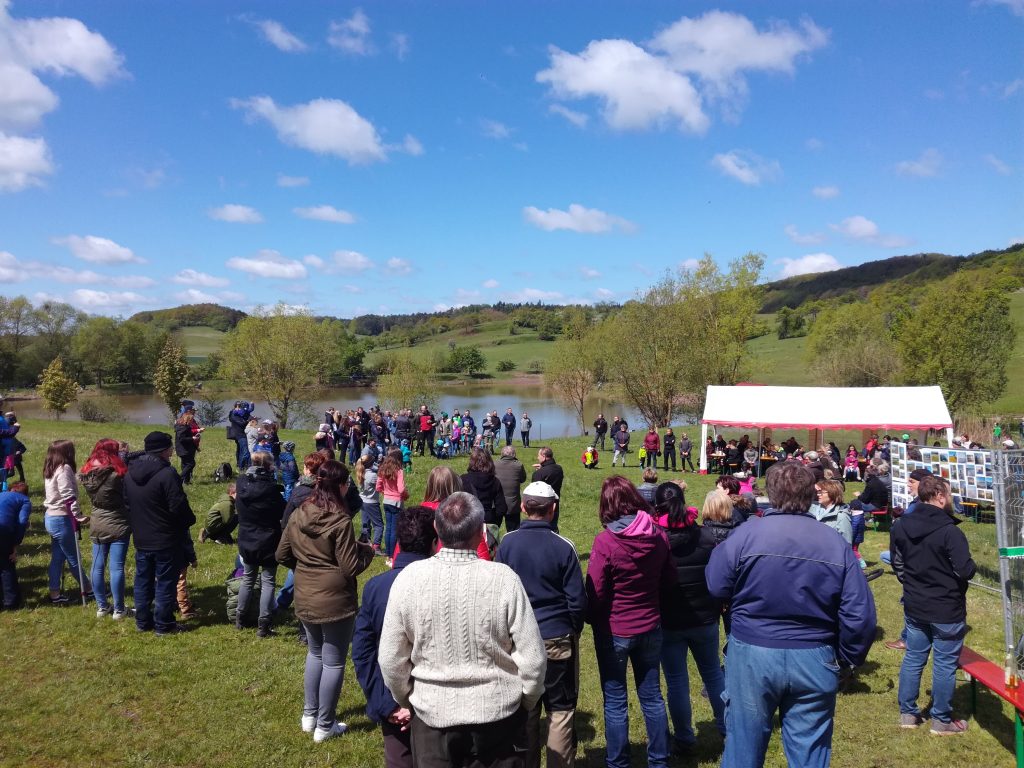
{"x":132,"y":281}
{"x":325,"y":213}
{"x":400,"y":45}
{"x":268,"y":263}
{"x":926,"y":166}
{"x":275,"y":33}
{"x":351,"y":261}
{"x":603,"y":294}
{"x":492,"y":129}
{"x":312,"y":260}
{"x":98,"y":250}
{"x":589,"y":273}
{"x":352,"y":35}
{"x":809,"y":264}
{"x":826,"y":192}
{"x":23,"y":97}
{"x":292,"y":181}
{"x":1016,"y":7}
{"x":195,"y":296}
{"x":86,"y":298}
{"x":654,"y":85}
{"x":997,"y":165}
{"x":11,"y":270}
{"x":397,"y":266}
{"x":533,"y":294}
{"x":576,"y":219}
{"x":324,"y":126}
{"x":810,"y":238}
{"x":746,"y":167}
{"x":865,"y":230}
{"x":576,"y":118}
{"x":492,"y":283}
{"x":690,"y":264}
{"x":1012,"y":87}
{"x":466,"y":296}
{"x":235,"y":214}
{"x":351,"y":289}
{"x":412,"y":145}
{"x":202,"y":279}
{"x":814,"y":144}
{"x":23,"y":162}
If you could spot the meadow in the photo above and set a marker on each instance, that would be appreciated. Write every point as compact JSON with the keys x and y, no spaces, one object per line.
{"x":80,"y":691}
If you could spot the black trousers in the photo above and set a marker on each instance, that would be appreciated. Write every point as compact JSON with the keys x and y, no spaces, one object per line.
{"x":484,"y":745}
{"x":670,"y":452}
{"x":188,"y":465}
{"x":684,"y":459}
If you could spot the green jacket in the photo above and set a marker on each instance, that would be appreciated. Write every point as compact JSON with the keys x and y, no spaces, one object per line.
{"x":222,"y":519}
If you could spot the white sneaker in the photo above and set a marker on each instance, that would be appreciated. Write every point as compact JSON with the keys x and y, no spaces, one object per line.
{"x":323,"y":734}
{"x":102,"y":613}
{"x":118,"y":615}
{"x":308,"y":723}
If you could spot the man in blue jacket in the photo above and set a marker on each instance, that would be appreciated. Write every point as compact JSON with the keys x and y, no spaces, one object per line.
{"x":416,"y":536}
{"x":547,"y":565}
{"x":800,"y":609}
{"x":238,"y":420}
{"x":509,"y":420}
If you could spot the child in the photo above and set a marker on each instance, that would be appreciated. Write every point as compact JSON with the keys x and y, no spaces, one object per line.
{"x":851,"y":465}
{"x":262,"y":445}
{"x":366,"y":482}
{"x":590,"y":457}
{"x":15,"y":509}
{"x":221,"y":520}
{"x":14,"y":449}
{"x":406,"y":456}
{"x":288,"y":468}
{"x":391,"y":485}
{"x":441,"y":448}
{"x":456,"y":434}
{"x":641,"y":456}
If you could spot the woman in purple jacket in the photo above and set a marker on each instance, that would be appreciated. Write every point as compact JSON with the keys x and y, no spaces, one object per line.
{"x":630,"y":566}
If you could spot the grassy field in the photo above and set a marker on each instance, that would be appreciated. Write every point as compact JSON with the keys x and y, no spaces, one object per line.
{"x":78,"y":691}
{"x":199,"y":341}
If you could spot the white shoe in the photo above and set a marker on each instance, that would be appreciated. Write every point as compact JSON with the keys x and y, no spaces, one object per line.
{"x":323,"y":734}
{"x":308,"y":723}
{"x":118,"y":615}
{"x":102,"y":613}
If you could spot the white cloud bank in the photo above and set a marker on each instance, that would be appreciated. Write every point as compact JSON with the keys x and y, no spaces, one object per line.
{"x":864,"y":230}
{"x":24,"y":162}
{"x":325,"y":213}
{"x":746,"y":167}
{"x":235,"y":214}
{"x":810,"y":264}
{"x":928,"y":165}
{"x":268,"y":263}
{"x":98,"y":250}
{"x":576,"y":219}
{"x":275,"y":33}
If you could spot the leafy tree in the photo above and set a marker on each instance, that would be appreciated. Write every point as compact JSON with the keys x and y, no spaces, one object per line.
{"x":572,"y":372}
{"x":96,"y":345}
{"x":280,"y":356}
{"x":138,"y":348}
{"x":346,"y":352}
{"x":57,"y":388}
{"x":172,"y":378}
{"x":790,"y":323}
{"x":408,"y":382}
{"x":549,"y":327}
{"x":54,"y":323}
{"x":505,"y":365}
{"x":854,"y":345}
{"x":468,"y":360}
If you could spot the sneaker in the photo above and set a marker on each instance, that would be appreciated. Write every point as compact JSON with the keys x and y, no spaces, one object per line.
{"x":911,"y":720}
{"x":896,"y":645}
{"x":59,"y":600}
{"x":873,"y":574}
{"x":377,"y":551}
{"x":118,"y":615}
{"x":203,"y":536}
{"x":104,"y":611}
{"x":323,"y":734}
{"x":389,"y":562}
{"x":176,"y":629}
{"x":308,"y":723}
{"x":952,"y":728}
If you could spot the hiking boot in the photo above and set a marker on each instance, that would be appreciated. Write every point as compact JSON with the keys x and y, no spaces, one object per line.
{"x":896,"y":645}
{"x":911,"y":720}
{"x":265,"y":630}
{"x":323,"y":734}
{"x":952,"y":728}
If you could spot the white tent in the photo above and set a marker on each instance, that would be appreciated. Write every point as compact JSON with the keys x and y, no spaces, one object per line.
{"x":756,"y":407}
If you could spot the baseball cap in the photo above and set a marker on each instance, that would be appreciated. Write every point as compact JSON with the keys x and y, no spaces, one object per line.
{"x":541,"y":491}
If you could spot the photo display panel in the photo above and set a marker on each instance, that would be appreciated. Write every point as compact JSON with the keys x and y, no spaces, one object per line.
{"x":969,"y":472}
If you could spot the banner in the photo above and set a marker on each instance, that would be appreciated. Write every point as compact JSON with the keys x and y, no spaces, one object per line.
{"x":969,"y":472}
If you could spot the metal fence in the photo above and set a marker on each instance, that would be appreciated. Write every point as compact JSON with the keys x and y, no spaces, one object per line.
{"x":1008,"y":484}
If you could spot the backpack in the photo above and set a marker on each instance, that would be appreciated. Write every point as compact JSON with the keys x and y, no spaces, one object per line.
{"x":223,"y":473}
{"x":232,"y":585}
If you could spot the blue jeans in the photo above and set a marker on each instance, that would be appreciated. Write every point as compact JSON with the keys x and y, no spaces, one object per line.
{"x":945,"y":642}
{"x":286,"y":595}
{"x":390,"y":528}
{"x":156,"y":583}
{"x":63,"y":549}
{"x":242,"y":458}
{"x":643,"y":652}
{"x":799,"y":683}
{"x":702,"y":642}
{"x":115,"y":554}
{"x":373,"y":523}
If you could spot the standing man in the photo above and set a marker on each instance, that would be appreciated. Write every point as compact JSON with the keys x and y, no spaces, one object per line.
{"x":547,"y":471}
{"x":469,"y":689}
{"x":685,"y":449}
{"x":932,"y":560}
{"x":600,"y":430}
{"x":526,"y":424}
{"x":426,"y":426}
{"x":511,"y":475}
{"x":801,"y":609}
{"x":160,"y":517}
{"x":620,"y":442}
{"x":238,"y":420}
{"x":509,"y":421}
{"x":549,"y":568}
{"x":669,"y":448}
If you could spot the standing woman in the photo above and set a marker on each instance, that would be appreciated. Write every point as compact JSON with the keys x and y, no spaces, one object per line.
{"x":186,"y":443}
{"x":102,"y":476}
{"x":319,"y":544}
{"x":260,"y":504}
{"x":481,"y":482}
{"x":630,"y":569}
{"x":391,"y":485}
{"x":63,"y":517}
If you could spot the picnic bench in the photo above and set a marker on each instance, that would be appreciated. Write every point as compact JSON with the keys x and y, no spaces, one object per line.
{"x":980,"y":670}
{"x":879,"y":518}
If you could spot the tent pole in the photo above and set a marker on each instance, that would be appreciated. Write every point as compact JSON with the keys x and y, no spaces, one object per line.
{"x":703,"y":448}
{"x":949,"y":437}
{"x":760,"y":449}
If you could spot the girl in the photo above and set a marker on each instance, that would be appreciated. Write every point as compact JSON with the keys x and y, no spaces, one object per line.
{"x":63,"y":518}
{"x":186,"y":443}
{"x":260,"y":504}
{"x":366,"y":482}
{"x":391,"y":484}
{"x":102,"y":476}
{"x":851,"y":466}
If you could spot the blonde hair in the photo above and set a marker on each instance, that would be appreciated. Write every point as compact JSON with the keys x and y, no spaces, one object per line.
{"x":364,"y":463}
{"x":717,"y":507}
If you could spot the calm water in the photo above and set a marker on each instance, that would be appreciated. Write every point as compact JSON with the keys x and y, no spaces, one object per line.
{"x":550,"y":418}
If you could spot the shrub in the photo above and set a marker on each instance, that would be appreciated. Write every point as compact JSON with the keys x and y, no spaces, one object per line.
{"x":506,"y":365}
{"x":100,"y":409}
{"x":535,"y":366}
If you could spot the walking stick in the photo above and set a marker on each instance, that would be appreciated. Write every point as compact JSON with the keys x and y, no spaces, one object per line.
{"x":76,"y":527}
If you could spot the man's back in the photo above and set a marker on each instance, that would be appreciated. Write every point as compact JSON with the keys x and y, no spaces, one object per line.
{"x":158,"y":509}
{"x":551,"y":473}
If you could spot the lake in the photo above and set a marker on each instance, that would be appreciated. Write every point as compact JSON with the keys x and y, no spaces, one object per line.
{"x":550,"y":417}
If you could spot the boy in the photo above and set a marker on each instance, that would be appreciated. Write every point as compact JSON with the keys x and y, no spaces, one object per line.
{"x":288,"y":468}
{"x":221,"y":520}
{"x":590,"y":457}
{"x":406,"y":456}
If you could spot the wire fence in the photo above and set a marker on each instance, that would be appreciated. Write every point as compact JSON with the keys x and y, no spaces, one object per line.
{"x":1008,"y":484}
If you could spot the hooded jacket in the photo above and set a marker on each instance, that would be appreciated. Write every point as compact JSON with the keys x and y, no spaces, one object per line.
{"x":511,"y":474}
{"x":836,"y":517}
{"x":934,"y":565}
{"x":320,"y":546}
{"x":158,"y":509}
{"x":109,"y":521}
{"x":260,"y":506}
{"x":551,"y":473}
{"x":490,"y":493}
{"x":688,"y":604}
{"x":15,"y":509}
{"x":630,"y":567}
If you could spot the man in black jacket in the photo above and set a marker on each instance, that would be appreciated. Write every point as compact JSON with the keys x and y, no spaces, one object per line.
{"x":160,"y":517}
{"x":238,"y":420}
{"x":600,"y":430}
{"x":547,"y":471}
{"x":933,"y":561}
{"x":509,"y":420}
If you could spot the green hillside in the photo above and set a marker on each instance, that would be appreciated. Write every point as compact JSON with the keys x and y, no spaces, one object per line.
{"x":199,"y":341}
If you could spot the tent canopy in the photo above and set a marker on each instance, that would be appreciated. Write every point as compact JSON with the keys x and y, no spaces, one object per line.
{"x":827,"y":407}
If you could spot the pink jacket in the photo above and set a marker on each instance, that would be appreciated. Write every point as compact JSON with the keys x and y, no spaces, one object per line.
{"x":394,"y":493}
{"x":652,"y":443}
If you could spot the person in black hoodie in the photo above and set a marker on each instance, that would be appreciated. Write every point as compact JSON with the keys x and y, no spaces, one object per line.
{"x":260,"y":506}
{"x":481,"y":482}
{"x":934,"y":565}
{"x":186,"y":443}
{"x":548,"y":471}
{"x":160,"y":518}
{"x":689,"y":615}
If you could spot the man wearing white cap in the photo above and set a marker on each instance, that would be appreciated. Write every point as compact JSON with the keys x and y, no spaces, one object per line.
{"x":547,"y":565}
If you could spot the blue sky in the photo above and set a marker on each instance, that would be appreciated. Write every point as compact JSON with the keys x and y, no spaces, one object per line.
{"x":407,"y":156}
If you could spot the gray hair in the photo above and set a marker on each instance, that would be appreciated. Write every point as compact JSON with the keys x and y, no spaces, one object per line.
{"x":811,"y":455}
{"x":459,"y":520}
{"x":508,"y":451}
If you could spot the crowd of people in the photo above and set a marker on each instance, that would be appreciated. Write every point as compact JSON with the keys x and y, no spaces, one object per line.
{"x":472,"y":632}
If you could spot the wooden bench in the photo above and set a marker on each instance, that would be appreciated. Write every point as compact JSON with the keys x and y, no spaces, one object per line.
{"x":980,"y":670}
{"x":879,"y":517}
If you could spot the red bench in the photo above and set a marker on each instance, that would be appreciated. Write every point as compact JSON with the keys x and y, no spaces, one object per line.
{"x":879,"y":517}
{"x":980,"y":670}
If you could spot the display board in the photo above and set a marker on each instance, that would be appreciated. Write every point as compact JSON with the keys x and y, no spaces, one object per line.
{"x":969,"y":472}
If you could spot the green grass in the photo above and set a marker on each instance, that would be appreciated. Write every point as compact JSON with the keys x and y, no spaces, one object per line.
{"x":199,"y":341}
{"x":79,"y":691}
{"x":1012,"y":401}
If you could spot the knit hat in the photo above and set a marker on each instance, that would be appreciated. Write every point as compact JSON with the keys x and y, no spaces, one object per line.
{"x":157,"y":442}
{"x":919,"y":474}
{"x":288,"y":446}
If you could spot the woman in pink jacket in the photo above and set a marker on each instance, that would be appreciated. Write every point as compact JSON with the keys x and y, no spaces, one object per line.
{"x":391,"y":485}
{"x":652,"y":445}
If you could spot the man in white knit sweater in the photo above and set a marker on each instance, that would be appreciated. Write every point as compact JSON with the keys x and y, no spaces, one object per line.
{"x":461,"y":648}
